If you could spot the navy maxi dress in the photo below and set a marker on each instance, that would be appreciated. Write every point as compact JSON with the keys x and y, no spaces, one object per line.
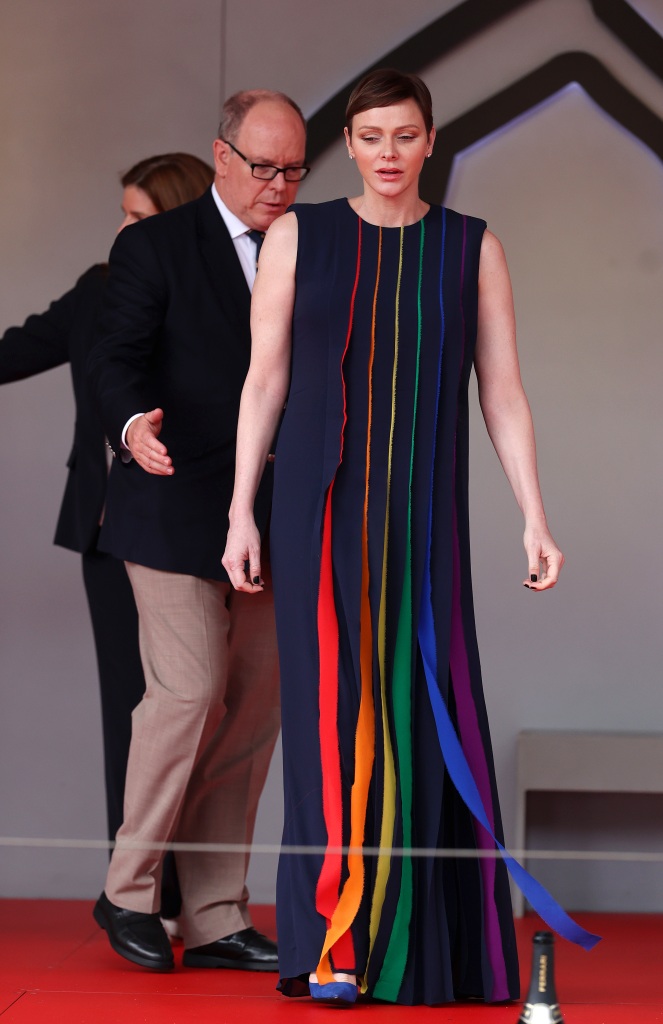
{"x":371,"y":568}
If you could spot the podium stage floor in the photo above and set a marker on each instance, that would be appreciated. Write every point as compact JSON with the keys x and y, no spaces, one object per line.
{"x":56,"y":967}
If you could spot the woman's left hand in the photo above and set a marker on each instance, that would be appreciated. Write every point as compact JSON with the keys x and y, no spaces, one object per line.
{"x":242,"y":550}
{"x":544,"y":558}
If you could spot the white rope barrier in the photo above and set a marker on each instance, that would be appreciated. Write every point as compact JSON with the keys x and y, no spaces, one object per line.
{"x":638,"y":856}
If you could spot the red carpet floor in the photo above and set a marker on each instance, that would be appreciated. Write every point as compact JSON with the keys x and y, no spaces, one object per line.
{"x":56,"y":967}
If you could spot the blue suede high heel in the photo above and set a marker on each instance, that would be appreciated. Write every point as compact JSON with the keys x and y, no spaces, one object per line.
{"x":336,"y":993}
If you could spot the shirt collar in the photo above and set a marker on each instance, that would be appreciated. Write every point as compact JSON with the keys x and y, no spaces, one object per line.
{"x":235,"y":226}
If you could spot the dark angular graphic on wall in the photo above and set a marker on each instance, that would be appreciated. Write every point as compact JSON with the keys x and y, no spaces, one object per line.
{"x":466,"y":22}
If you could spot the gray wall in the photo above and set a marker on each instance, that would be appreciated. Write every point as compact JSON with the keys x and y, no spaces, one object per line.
{"x":87,"y":89}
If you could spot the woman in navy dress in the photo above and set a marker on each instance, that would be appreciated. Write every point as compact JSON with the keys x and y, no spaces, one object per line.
{"x":367,"y":317}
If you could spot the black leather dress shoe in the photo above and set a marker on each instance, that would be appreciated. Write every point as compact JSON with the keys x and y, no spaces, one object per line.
{"x":247,"y":950}
{"x":137,"y":937}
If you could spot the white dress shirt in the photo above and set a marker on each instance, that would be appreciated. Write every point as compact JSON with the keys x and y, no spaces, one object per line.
{"x":245,"y":247}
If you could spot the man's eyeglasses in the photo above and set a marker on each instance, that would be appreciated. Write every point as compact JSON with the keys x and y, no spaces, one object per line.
{"x":267,"y":172}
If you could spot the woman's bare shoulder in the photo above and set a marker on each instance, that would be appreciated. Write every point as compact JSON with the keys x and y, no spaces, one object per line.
{"x":284,"y":228}
{"x":491,"y":246}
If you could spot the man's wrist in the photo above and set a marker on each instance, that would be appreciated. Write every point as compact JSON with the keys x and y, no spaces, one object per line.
{"x":136,"y":416}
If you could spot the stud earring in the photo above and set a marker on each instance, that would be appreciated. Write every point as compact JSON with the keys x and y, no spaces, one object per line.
{"x":351,"y":156}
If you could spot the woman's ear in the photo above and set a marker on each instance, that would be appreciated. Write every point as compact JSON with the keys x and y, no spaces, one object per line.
{"x":348,"y":144}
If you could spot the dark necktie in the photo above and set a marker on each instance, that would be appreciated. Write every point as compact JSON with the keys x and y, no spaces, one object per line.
{"x":258,"y":237}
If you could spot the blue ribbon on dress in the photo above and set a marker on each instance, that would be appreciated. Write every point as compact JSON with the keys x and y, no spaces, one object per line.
{"x":452,"y":752}
{"x":461,"y":775}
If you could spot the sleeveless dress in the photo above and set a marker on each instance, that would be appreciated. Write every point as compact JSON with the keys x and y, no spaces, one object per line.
{"x":373,"y":595}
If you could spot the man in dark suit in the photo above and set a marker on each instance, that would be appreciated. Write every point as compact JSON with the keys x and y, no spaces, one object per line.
{"x":61,"y":334}
{"x":64,"y":334}
{"x":167,"y":372}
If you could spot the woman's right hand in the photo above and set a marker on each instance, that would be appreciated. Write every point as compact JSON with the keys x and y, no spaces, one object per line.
{"x":242,"y":546}
{"x":263,"y":396}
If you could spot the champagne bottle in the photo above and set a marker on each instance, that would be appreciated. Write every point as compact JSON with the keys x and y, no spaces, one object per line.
{"x":541,"y":1006}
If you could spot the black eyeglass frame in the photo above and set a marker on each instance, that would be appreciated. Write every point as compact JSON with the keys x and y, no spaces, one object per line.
{"x":271,"y":167}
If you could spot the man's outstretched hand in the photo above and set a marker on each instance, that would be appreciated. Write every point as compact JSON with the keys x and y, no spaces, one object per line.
{"x":143,"y":442}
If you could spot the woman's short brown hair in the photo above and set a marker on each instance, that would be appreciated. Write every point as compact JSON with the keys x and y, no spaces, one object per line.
{"x":170,"y":179}
{"x":384,"y":87}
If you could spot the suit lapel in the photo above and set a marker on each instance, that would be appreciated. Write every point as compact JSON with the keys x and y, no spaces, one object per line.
{"x":222,"y":264}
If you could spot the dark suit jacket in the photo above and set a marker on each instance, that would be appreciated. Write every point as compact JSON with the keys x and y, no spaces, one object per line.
{"x":64,"y":333}
{"x":175,"y":334}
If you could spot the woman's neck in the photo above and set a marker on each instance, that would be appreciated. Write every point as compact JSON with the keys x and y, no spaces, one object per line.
{"x":388,"y":212}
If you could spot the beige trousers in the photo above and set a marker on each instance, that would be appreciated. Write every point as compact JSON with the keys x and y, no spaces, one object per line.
{"x":201,"y":743}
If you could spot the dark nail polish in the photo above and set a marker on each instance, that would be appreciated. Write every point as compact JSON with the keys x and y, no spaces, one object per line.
{"x":255,"y":580}
{"x":533,"y":578}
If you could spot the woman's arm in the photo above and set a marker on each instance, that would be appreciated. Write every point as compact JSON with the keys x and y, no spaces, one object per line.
{"x":263,"y":396}
{"x":44,"y":340}
{"x":507,"y":413}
